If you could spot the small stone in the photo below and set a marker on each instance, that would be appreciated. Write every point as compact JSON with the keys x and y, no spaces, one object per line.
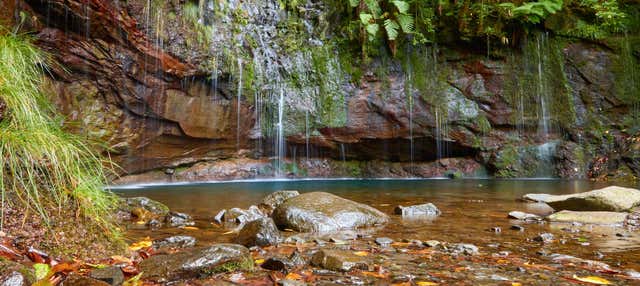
{"x":517,"y":227}
{"x":432,"y":243}
{"x":523,"y":216}
{"x":499,"y":278}
{"x":289,"y":282}
{"x":429,"y":210}
{"x":112,"y":275}
{"x":544,"y":238}
{"x":338,"y":260}
{"x":337,"y":241}
{"x":177,"y":219}
{"x":384,"y":241}
{"x":274,"y":264}
{"x":633,"y":274}
{"x":496,"y":229}
{"x":623,"y":234}
{"x":464,"y":248}
{"x":219,"y":218}
{"x":178,"y":241}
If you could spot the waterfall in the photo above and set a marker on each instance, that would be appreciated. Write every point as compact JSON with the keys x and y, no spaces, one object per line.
{"x":280,"y":143}
{"x":543,"y":115}
{"x":306,"y":133}
{"x":239,"y":105}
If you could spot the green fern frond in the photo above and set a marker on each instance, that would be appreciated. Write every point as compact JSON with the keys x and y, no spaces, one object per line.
{"x":391,"y":27}
{"x":406,"y":22}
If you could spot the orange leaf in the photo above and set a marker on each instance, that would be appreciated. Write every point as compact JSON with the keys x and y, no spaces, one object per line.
{"x":141,"y":244}
{"x":592,"y":279}
{"x":361,"y":253}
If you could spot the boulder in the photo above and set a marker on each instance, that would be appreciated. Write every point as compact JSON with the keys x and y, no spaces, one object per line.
{"x":240,"y":216}
{"x":260,"y":232}
{"x":612,"y":198}
{"x":338,"y":260}
{"x":605,"y":218}
{"x":196,"y":262}
{"x":324,"y":212}
{"x":274,"y":199}
{"x":428,"y":209}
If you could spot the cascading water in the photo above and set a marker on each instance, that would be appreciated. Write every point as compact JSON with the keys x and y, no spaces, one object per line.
{"x":239,"y":105}
{"x":280,"y":142}
{"x":543,"y":114}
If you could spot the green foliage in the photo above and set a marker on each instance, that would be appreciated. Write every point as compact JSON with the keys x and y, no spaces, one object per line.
{"x":533,"y":12}
{"x":393,"y":15}
{"x":42,"y":165}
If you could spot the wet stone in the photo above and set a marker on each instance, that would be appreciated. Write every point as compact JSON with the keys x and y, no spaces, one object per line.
{"x":523,"y":216}
{"x":432,"y":243}
{"x":589,"y":217}
{"x":178,"y":241}
{"x":142,"y":206}
{"x":260,"y":232}
{"x":613,"y":198}
{"x":177,"y":219}
{"x":15,"y":274}
{"x":384,"y":241}
{"x":517,"y":227}
{"x":324,"y":212}
{"x":196,"y":262}
{"x":338,"y":260}
{"x":544,"y":238}
{"x":289,"y":282}
{"x":274,"y":199}
{"x":13,"y":278}
{"x":464,"y":248}
{"x":111,"y":275}
{"x":428,"y":209}
{"x":274,"y":264}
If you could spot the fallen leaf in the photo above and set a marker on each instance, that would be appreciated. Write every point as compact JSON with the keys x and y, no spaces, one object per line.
{"x":375,"y":274}
{"x":120,"y":259}
{"x":426,"y":283}
{"x":41,"y":270}
{"x":141,"y":244}
{"x":361,"y":253}
{"x":229,"y":232}
{"x":190,"y":228}
{"x":592,"y":279}
{"x":259,"y":261}
{"x":293,"y":276}
{"x":516,"y":284}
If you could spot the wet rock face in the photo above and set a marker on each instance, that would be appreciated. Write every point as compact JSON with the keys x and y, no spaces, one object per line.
{"x":178,"y":241}
{"x":612,"y":198}
{"x":195,"y":262}
{"x":324,"y":212}
{"x":14,"y":274}
{"x":260,"y":232}
{"x":111,"y":275}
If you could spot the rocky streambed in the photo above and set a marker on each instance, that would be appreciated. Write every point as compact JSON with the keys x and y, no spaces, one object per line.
{"x":374,"y":233}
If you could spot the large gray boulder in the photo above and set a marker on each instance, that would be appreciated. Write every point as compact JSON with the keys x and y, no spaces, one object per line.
{"x":614,"y":198}
{"x":324,"y":212}
{"x":197,"y":262}
{"x":598,"y":217}
{"x":273,"y":200}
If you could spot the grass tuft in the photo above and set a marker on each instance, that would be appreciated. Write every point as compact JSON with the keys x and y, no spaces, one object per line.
{"x":44,"y":168}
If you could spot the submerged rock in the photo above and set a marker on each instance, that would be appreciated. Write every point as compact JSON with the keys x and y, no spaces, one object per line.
{"x":196,"y":262}
{"x":524,"y":216}
{"x":612,"y":198}
{"x":384,"y":241}
{"x":240,"y":216}
{"x":260,"y":232}
{"x":178,"y":241}
{"x":428,"y":209}
{"x":544,"y":238}
{"x":464,"y":248}
{"x":606,"y":218}
{"x":338,"y":260}
{"x":324,"y":212}
{"x":273,"y":200}
{"x":177,"y":219}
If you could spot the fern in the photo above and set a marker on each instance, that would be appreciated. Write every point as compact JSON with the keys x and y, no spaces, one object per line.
{"x":354,"y":3}
{"x":391,"y":27}
{"x":403,"y":7}
{"x":406,"y":23}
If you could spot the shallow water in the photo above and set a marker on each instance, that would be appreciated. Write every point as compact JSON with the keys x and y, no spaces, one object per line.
{"x":470,"y":208}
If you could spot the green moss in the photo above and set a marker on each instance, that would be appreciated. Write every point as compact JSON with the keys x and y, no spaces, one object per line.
{"x":232,"y":266}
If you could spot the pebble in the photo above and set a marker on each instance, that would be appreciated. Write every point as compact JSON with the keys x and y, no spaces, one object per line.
{"x":544,"y":238}
{"x":517,"y":227}
{"x":496,"y":229}
{"x":384,"y":241}
{"x":432,"y":243}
